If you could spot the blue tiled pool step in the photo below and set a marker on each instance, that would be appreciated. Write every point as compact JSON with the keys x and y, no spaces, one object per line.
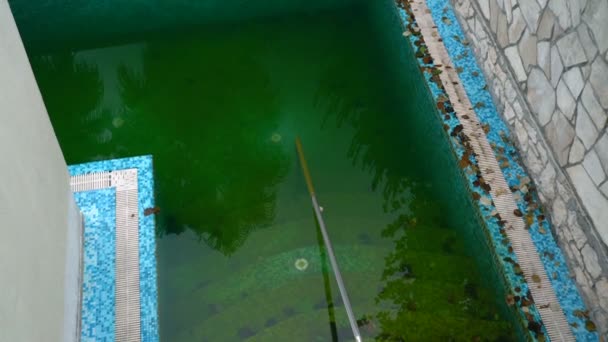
{"x":119,"y":281}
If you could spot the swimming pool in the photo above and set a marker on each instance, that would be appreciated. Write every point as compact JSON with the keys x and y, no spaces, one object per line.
{"x":239,"y":255}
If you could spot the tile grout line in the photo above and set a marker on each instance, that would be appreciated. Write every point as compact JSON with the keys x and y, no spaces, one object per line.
{"x":127,"y":291}
{"x":543,"y":293}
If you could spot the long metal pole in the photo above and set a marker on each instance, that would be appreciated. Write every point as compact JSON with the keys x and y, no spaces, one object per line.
{"x":330,"y":250}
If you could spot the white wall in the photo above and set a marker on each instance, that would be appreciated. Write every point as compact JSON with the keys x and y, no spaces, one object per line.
{"x":39,"y":223}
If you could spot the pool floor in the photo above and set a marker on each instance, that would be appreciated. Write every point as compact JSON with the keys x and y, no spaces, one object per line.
{"x":219,"y":108}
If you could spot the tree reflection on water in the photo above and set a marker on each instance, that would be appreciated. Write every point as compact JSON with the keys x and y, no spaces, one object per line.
{"x":212,"y":113}
{"x":420,"y":295}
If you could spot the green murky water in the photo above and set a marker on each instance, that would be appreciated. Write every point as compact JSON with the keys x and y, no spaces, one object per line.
{"x":219,"y":107}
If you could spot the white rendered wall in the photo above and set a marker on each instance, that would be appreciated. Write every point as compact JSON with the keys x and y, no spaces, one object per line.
{"x":40,"y":233}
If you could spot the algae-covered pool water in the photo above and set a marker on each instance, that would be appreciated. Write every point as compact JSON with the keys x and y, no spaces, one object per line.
{"x":239,"y":253}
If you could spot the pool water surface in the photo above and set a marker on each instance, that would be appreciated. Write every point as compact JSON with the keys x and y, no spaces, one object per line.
{"x":239,"y":253}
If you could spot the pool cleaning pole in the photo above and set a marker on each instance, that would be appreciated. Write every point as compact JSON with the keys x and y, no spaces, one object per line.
{"x":330,"y":250}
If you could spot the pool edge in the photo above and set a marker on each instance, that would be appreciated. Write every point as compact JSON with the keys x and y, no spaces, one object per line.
{"x":141,"y":168}
{"x":430,"y":71}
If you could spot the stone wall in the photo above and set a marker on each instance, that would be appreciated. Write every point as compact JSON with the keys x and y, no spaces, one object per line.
{"x":546,"y":63}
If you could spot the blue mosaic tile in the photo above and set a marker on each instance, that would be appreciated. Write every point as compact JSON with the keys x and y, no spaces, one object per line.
{"x":147,"y":241}
{"x":510,"y":162}
{"x":98,"y":208}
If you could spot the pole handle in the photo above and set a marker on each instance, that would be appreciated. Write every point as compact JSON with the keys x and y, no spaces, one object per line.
{"x":307,"y":177}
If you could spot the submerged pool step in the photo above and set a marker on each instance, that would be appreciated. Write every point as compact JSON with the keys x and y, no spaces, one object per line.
{"x":298,"y":298}
{"x":272,"y":272}
{"x":456,"y":299}
{"x":238,"y":328}
{"x":364,"y":204}
{"x":303,"y":290}
{"x":412,"y":326}
{"x":297,"y":235}
{"x":346,"y":230}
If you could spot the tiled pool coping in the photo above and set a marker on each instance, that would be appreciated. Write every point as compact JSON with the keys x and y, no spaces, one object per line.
{"x":469,"y":75}
{"x":103,"y":208}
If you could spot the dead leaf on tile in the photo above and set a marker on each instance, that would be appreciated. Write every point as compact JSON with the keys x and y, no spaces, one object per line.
{"x":501,"y":191}
{"x":529,"y":220}
{"x":485,"y":201}
{"x":590,"y":326}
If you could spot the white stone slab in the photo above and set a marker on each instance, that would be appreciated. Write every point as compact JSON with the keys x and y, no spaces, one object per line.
{"x":601,"y":147}
{"x":557,"y":67}
{"x":596,"y":15}
{"x":599,"y":80}
{"x":594,"y":169}
{"x":574,"y":81}
{"x":565,"y":101}
{"x":593,"y":107}
{"x":561,"y":11}
{"x":595,"y":203}
{"x":543,"y":51}
{"x":588,"y":44}
{"x":531,"y":13}
{"x":571,"y":50}
{"x":577,"y":152}
{"x":517,"y":26}
{"x":585,"y":128}
{"x":541,"y":96}
{"x":560,"y":134}
{"x":515,"y":61}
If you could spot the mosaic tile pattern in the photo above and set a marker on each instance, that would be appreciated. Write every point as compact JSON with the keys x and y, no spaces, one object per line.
{"x":99,"y":263}
{"x":509,"y":160}
{"x":147,"y":243}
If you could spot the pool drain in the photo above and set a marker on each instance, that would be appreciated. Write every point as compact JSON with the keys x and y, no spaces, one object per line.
{"x":276,"y":138}
{"x":118,"y":122}
{"x":301,"y":264}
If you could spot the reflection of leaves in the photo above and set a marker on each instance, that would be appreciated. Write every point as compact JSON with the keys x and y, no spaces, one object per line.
{"x":61,"y":76}
{"x":132,"y":86}
{"x":408,"y":278}
{"x":210,"y":108}
{"x":359,"y":105}
{"x":79,"y":77}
